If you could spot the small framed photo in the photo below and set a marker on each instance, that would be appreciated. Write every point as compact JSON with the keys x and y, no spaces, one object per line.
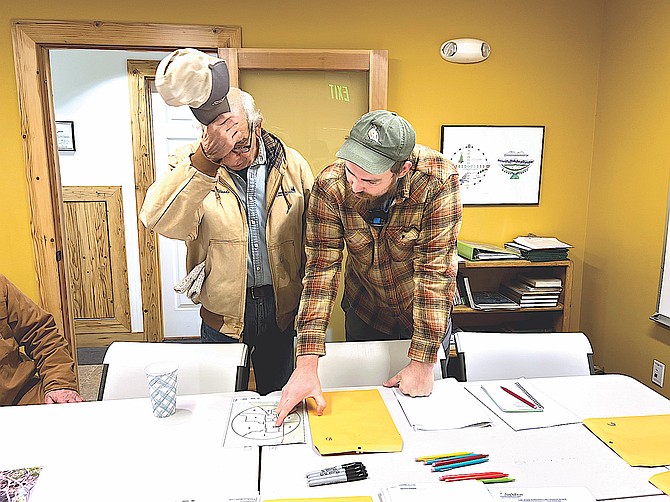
{"x":65,"y":135}
{"x":497,"y":165}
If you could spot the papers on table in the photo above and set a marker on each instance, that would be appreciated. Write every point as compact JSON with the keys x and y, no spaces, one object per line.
{"x":353,"y":421}
{"x":252,"y":423}
{"x":552,"y":413}
{"x":472,"y":491}
{"x":450,"y":406}
{"x":550,"y":494}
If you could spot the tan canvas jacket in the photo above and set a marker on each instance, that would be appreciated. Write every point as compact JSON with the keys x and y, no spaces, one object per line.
{"x":206,"y":212}
{"x":25,"y":324}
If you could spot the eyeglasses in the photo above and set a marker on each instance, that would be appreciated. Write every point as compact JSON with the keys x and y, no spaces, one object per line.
{"x":245,"y":148}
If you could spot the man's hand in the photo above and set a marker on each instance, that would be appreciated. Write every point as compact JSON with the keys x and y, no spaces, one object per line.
{"x":62,"y":396}
{"x":220,"y":136}
{"x":304,"y":382}
{"x":415,"y":379}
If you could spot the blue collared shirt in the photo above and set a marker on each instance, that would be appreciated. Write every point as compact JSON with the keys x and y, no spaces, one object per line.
{"x":252,"y":194}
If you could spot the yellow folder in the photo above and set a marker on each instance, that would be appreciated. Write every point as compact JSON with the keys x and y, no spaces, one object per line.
{"x":325,"y":499}
{"x":661,"y":481}
{"x":354,"y":421}
{"x":642,"y":441}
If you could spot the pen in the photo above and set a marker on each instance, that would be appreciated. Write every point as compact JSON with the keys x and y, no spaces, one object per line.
{"x":349,"y":471}
{"x":333,"y":470}
{"x":442,"y":459}
{"x":474,"y":475}
{"x":522,"y":399}
{"x":460,"y":464}
{"x":442,"y":455}
{"x":528,"y":395}
{"x":497,"y":480}
{"x":458,"y":460}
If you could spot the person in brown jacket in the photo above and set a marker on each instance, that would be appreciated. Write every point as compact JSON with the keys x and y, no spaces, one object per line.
{"x":44,"y":371}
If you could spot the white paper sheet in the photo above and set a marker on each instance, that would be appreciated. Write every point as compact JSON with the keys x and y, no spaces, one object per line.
{"x":552,"y":414}
{"x":449,"y":406}
{"x":470,"y":490}
{"x":252,"y":423}
{"x":549,"y":494}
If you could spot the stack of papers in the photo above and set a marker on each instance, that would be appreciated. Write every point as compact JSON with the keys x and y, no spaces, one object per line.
{"x":450,"y":406}
{"x":534,"y":248}
{"x":548,"y":494}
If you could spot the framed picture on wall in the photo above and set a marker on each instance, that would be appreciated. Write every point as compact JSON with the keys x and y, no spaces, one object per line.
{"x":65,"y":135}
{"x":498,"y":165}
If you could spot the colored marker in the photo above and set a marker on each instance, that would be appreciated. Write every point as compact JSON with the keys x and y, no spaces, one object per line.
{"x":460,"y":464}
{"x":474,"y":475}
{"x":442,"y":455}
{"x":438,"y":463}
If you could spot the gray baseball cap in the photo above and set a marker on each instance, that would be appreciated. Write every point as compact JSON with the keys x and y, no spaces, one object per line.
{"x":191,"y":77}
{"x":378,"y":140}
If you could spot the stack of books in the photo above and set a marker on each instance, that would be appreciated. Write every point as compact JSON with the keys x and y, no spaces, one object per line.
{"x":533,"y":248}
{"x":533,"y":291}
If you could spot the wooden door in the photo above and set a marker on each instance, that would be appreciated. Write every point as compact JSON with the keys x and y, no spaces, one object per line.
{"x":97,"y":268}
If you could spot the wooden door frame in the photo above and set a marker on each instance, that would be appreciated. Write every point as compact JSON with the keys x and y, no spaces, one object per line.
{"x":140,"y":74}
{"x":31,"y":41}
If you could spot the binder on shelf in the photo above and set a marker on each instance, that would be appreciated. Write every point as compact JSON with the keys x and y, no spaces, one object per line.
{"x":487,"y":300}
{"x":480,"y":251}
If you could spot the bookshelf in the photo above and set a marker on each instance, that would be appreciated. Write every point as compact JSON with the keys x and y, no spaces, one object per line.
{"x":488,"y":275}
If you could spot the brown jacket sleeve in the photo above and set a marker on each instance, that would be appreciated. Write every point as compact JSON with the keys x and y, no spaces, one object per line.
{"x":23,"y":323}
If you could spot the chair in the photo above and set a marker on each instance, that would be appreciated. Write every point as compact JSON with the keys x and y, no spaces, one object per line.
{"x":500,"y":356}
{"x":203,"y":368}
{"x":357,"y":364}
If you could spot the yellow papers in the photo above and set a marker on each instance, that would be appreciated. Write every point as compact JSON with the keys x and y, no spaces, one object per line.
{"x":324,"y":499}
{"x":641,"y":441}
{"x":354,"y":421}
{"x":661,"y":481}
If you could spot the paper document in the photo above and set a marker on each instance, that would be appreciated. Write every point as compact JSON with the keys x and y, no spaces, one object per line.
{"x":549,"y":494}
{"x":252,"y":423}
{"x":532,"y":242}
{"x":661,"y":481}
{"x":472,"y":491}
{"x":513,"y":398}
{"x":552,"y":413}
{"x":354,"y":421}
{"x":450,"y":406}
{"x":325,"y":499}
{"x":642,"y":441}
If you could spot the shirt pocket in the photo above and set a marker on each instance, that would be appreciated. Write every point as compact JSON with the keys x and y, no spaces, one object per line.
{"x":360,"y":246}
{"x":401,"y":242}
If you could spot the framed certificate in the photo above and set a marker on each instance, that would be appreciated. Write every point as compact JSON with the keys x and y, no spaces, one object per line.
{"x":65,"y":135}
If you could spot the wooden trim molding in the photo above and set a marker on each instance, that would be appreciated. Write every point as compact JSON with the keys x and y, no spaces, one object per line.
{"x":31,"y":40}
{"x":375,"y":63}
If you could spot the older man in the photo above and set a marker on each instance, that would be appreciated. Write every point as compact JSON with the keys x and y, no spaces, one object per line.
{"x":44,"y":371}
{"x":238,"y":198}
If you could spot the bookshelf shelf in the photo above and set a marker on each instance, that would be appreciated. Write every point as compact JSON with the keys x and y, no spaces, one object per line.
{"x":488,"y":275}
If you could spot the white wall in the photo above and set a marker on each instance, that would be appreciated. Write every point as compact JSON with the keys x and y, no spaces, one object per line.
{"x":91,"y":88}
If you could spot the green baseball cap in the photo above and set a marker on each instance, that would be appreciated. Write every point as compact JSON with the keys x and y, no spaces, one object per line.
{"x":378,"y":140}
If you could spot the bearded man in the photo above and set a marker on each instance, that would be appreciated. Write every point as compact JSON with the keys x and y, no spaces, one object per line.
{"x":396,"y":205}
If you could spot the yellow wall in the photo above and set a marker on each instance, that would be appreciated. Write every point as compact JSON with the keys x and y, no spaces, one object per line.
{"x":542,"y":71}
{"x":629,"y":190}
{"x":594,"y":73}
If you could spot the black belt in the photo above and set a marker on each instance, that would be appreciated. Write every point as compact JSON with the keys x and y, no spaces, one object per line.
{"x":257,"y":292}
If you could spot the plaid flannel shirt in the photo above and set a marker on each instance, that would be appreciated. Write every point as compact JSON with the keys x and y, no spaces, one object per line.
{"x":404,"y":273}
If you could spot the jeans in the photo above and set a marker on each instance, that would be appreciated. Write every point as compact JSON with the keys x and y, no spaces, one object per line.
{"x":356,"y":330}
{"x":271,"y":349}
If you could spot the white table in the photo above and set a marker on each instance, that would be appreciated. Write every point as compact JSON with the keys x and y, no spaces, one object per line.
{"x":568,"y":455}
{"x":117,"y":450}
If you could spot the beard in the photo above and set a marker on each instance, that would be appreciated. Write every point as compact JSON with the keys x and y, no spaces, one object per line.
{"x":363,"y":202}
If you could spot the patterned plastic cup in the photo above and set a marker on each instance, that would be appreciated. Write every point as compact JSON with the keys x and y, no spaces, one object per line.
{"x":162,"y":380}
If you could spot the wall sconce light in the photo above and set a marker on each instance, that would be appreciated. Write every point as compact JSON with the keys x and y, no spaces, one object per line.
{"x":465,"y":50}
